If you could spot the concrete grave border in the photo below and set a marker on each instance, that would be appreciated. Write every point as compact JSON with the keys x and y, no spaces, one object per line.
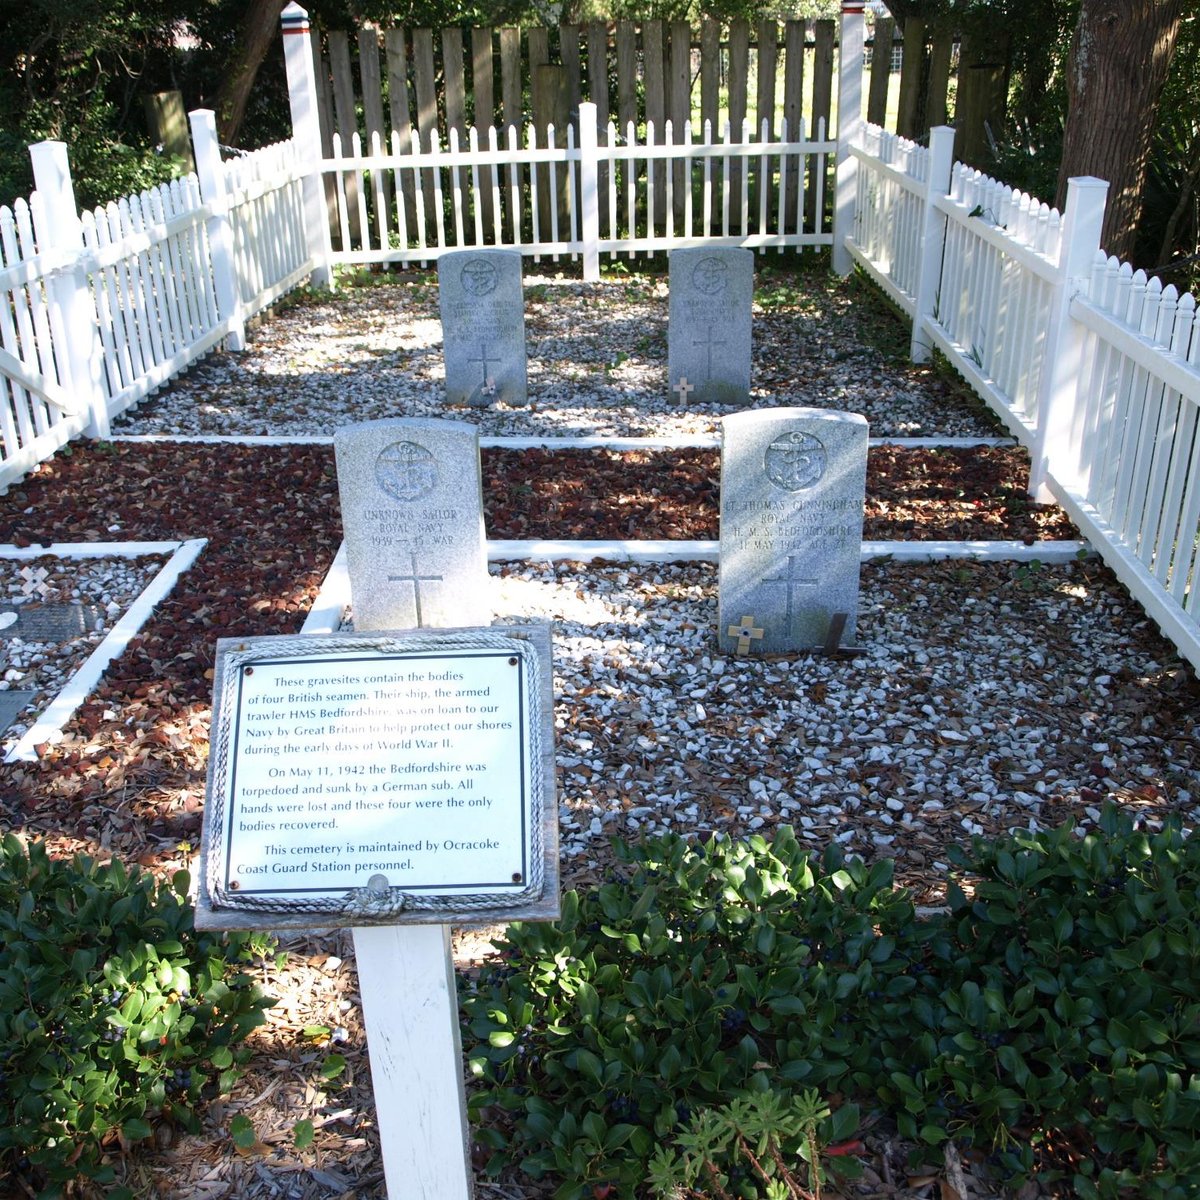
{"x":49,"y":725}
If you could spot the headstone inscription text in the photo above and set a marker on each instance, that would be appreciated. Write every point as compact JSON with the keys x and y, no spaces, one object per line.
{"x":708,"y":332}
{"x":793,"y":484}
{"x":410,"y":764}
{"x":483,"y":327}
{"x":412,"y":506}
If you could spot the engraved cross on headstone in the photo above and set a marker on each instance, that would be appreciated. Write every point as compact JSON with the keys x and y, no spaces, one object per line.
{"x":483,"y":360}
{"x":792,"y":581}
{"x":416,"y":580}
{"x":710,"y":342}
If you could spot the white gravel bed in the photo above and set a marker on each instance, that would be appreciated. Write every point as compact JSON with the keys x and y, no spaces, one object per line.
{"x":989,"y":696}
{"x":597,"y":365}
{"x":105,"y":586}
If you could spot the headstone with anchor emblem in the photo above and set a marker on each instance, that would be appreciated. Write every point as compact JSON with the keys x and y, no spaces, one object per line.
{"x":708,"y":335}
{"x":793,"y":483}
{"x":483,"y":327}
{"x":412,"y":514}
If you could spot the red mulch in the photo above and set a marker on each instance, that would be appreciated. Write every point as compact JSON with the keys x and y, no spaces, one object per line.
{"x":957,"y":494}
{"x":130,"y":773}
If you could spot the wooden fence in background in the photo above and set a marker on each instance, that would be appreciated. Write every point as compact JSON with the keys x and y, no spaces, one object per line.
{"x":421,"y":84}
{"x":421,"y":81}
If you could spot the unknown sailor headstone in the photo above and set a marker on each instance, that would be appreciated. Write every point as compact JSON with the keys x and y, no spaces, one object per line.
{"x":483,"y":327}
{"x":708,"y":334}
{"x":412,"y":515}
{"x":793,"y":482}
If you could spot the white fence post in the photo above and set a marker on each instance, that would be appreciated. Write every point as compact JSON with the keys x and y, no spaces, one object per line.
{"x":1083,"y":218}
{"x":211,"y":176}
{"x":589,"y":195}
{"x":410,"y":1006}
{"x":850,"y":73}
{"x":933,"y":238}
{"x":306,"y":129}
{"x":74,"y":325}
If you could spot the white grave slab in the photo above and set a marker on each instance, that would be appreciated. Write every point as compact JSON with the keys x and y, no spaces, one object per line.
{"x":708,"y":332}
{"x":412,"y":515}
{"x":793,"y":483}
{"x":483,"y":327}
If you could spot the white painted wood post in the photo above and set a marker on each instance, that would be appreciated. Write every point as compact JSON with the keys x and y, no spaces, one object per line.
{"x":306,"y":129}
{"x":1083,"y":219}
{"x":211,"y":176}
{"x":410,"y":1006}
{"x":74,"y":325}
{"x":589,"y":193}
{"x":933,"y":238}
{"x":850,"y":123}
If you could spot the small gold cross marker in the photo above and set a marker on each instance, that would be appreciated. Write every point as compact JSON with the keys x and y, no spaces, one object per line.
{"x":746,"y":633}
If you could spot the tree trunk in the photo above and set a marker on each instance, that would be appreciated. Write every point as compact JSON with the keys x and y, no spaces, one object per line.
{"x":260,"y":25}
{"x":1120,"y":55}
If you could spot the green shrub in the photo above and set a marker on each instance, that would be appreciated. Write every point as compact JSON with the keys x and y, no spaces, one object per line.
{"x":715,"y":970}
{"x":1073,"y":973}
{"x":1049,"y":1020}
{"x":114,"y":1011}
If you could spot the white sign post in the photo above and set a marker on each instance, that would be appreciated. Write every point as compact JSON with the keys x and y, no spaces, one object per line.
{"x":393,"y":783}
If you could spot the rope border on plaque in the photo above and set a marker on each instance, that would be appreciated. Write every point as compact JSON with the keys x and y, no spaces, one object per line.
{"x":378,"y":901}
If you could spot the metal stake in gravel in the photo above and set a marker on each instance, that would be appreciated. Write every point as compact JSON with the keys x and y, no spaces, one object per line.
{"x":793,"y":482}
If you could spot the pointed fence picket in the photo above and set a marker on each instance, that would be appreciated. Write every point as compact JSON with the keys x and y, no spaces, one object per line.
{"x":1131,"y":456}
{"x":91,"y":326}
{"x":493,"y":190}
{"x":265,"y":203}
{"x":38,"y":414}
{"x":1093,"y":365}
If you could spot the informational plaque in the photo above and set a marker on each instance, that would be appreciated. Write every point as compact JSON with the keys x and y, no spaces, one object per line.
{"x":375,"y":778}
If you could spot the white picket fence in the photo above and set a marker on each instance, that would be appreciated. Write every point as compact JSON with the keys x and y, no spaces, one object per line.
{"x":645,"y":195}
{"x":99,"y":309}
{"x":1091,"y":365}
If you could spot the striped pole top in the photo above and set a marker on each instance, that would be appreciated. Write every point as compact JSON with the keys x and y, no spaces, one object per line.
{"x":294,"y":20}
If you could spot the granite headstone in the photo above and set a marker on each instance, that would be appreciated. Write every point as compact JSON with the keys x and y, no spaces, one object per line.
{"x":793,"y":482}
{"x":483,"y":327}
{"x":412,"y":516}
{"x":708,"y":335}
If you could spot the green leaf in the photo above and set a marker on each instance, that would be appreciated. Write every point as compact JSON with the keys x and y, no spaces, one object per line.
{"x":593,"y":1127}
{"x":302,"y":1134}
{"x":669,"y":1062}
{"x":333,"y":1066}
{"x":645,"y":902}
{"x":135,"y":1130}
{"x":590,"y":1065}
{"x":242,"y":1130}
{"x":588,"y":1000}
